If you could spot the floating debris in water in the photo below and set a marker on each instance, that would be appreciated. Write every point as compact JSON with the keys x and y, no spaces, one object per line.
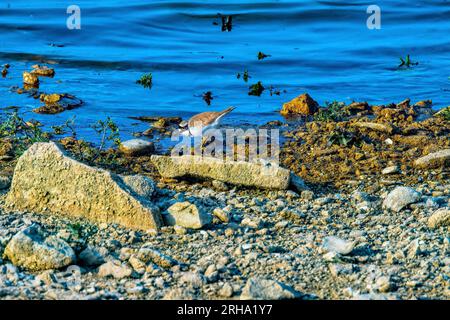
{"x":407,"y":63}
{"x":57,"y":45}
{"x":146,"y":80}
{"x":5,"y":70}
{"x":207,"y":97}
{"x":245,"y":76}
{"x":227,"y":23}
{"x":274,"y":91}
{"x":262,"y":55}
{"x":256,"y":89}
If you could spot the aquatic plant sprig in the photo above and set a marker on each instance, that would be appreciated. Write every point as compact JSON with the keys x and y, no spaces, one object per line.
{"x":245,"y":76}
{"x":146,"y":80}
{"x":407,"y":62}
{"x":256,"y":89}
{"x":262,"y":55}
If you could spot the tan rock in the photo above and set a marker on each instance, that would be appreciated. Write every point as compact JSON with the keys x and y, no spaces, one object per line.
{"x":115,"y":269}
{"x":235,"y":172}
{"x":434,"y":160}
{"x":147,"y":255}
{"x":30,"y":79}
{"x":222,"y":215}
{"x":187,"y":215}
{"x":50,"y":98}
{"x":43,"y":71}
{"x":32,"y":250}
{"x":374,"y":126}
{"x":440,"y":217}
{"x":303,"y":105}
{"x":47,"y":181}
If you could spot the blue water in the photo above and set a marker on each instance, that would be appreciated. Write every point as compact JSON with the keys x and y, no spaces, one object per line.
{"x":320,"y":47}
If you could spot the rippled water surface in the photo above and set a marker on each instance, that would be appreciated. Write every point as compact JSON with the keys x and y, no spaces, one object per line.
{"x":320,"y":47}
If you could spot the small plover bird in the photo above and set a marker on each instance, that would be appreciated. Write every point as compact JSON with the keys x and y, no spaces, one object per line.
{"x":201,"y":122}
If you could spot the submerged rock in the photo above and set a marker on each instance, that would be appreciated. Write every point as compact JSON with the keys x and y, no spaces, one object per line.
{"x":186,"y":214}
{"x":263,"y":289}
{"x":43,"y":71}
{"x":48,"y":181}
{"x":400,"y":197}
{"x":137,"y":147}
{"x":56,"y":103}
{"x":235,"y":172}
{"x":302,"y":105}
{"x":434,"y":160}
{"x":32,"y":250}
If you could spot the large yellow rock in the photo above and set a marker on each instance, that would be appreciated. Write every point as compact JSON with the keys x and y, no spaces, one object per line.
{"x":48,"y":181}
{"x":302,"y":105}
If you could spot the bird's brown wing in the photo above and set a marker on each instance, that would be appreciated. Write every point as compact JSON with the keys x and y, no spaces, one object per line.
{"x":205,"y":118}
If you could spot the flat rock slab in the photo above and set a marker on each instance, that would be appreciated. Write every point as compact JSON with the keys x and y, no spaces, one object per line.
{"x":235,"y":172}
{"x":48,"y":181}
{"x":434,"y":160}
{"x":374,"y":126}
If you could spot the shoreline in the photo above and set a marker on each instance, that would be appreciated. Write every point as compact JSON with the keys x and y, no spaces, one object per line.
{"x":260,"y":238}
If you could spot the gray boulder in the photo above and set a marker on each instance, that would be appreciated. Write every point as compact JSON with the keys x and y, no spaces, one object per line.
{"x":32,"y":250}
{"x":401,"y":197}
{"x":263,"y":289}
{"x":141,"y":185}
{"x":137,"y":147}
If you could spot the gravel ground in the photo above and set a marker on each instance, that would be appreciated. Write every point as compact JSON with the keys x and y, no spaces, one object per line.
{"x":319,"y":245}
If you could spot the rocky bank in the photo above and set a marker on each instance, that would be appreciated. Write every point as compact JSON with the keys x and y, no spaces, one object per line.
{"x":369,"y":220}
